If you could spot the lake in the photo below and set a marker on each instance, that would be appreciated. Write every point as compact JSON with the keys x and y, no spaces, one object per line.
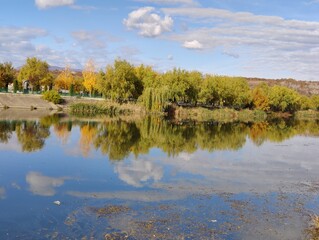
{"x":158,"y":179}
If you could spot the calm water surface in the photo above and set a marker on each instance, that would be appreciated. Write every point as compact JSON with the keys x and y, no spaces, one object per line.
{"x":156,"y":179}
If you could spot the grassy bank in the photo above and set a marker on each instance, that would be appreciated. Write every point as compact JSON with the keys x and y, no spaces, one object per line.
{"x":220,"y":115}
{"x":104,"y":109}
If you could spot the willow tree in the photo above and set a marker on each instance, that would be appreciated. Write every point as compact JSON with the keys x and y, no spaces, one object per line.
{"x":35,"y":71}
{"x":89,"y":76}
{"x":156,"y":99}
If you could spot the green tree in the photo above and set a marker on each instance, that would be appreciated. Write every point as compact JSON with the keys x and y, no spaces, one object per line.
{"x":315,"y":102}
{"x":305,"y":103}
{"x":195,"y":80}
{"x":147,"y":76}
{"x":225,"y":91}
{"x":284,"y":99}
{"x":178,"y":83}
{"x":35,"y":71}
{"x":120,"y":82}
{"x":7,"y":74}
{"x":208,"y":93}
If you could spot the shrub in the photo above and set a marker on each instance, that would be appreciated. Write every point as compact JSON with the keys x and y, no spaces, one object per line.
{"x":52,"y":96}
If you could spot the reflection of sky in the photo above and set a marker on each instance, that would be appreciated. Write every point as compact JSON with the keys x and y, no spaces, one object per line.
{"x":60,"y":172}
{"x":11,"y":145}
{"x":261,"y":169}
{"x":138,"y":171}
{"x":43,"y":185}
{"x":2,"y":193}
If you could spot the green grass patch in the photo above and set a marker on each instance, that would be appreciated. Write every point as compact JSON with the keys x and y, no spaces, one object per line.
{"x":92,"y":110}
{"x":220,"y":115}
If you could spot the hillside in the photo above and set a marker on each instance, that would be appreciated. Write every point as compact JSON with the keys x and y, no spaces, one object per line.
{"x":303,"y":87}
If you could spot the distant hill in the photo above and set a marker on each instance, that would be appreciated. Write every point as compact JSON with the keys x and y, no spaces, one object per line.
{"x":303,"y":87}
{"x":56,"y":68}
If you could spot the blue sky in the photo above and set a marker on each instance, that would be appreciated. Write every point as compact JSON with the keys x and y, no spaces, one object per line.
{"x":262,"y":38}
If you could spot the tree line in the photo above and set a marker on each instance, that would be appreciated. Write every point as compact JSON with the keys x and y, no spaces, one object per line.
{"x":122,"y":81}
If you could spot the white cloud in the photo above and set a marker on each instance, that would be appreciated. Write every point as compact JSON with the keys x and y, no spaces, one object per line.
{"x":43,"y":185}
{"x":42,"y":4}
{"x":138,"y":172}
{"x":193,"y":44}
{"x":148,"y":23}
{"x":16,"y":43}
{"x":269,"y":44}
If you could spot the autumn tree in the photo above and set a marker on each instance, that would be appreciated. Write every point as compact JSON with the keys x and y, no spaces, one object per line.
{"x":7,"y":74}
{"x":120,"y":82}
{"x":64,"y":79}
{"x":260,"y":97}
{"x":89,"y":77}
{"x":35,"y":71}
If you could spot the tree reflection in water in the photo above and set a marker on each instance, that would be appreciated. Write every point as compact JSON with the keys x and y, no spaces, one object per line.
{"x":119,"y":138}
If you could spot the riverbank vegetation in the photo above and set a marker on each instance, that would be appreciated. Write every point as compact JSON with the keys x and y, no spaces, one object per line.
{"x":95,"y":110}
{"x":158,"y":92}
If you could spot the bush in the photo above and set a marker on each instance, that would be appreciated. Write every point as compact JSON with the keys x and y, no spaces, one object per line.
{"x":52,"y":96}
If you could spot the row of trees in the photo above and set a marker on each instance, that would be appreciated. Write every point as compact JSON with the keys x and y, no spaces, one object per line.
{"x":124,"y":81}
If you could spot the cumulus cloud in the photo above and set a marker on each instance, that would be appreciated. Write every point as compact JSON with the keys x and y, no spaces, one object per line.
{"x":43,"y":4}
{"x":138,"y":172}
{"x":193,"y":44}
{"x":17,"y":43}
{"x":148,"y":23}
{"x":43,"y":185}
{"x":268,"y":43}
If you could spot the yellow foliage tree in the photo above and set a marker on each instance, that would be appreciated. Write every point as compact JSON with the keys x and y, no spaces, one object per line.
{"x":89,"y":76}
{"x":64,"y":79}
{"x":260,"y":97}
